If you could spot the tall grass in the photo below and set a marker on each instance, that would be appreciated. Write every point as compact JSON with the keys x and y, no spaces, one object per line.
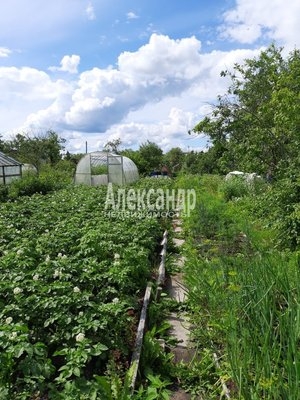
{"x":244,"y":297}
{"x":263,"y":335}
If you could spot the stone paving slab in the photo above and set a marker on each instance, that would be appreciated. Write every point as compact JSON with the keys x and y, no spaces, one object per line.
{"x":180,"y":326}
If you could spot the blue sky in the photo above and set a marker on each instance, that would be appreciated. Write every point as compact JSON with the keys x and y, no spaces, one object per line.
{"x":138,"y":70}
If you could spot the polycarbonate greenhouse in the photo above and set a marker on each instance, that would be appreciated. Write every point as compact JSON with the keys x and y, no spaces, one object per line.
{"x":101,"y":168}
{"x":10,"y":169}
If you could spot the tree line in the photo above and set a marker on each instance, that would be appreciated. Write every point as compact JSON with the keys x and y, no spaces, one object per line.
{"x":48,"y":149}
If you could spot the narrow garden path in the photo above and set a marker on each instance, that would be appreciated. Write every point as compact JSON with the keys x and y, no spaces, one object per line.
{"x":180,"y":325}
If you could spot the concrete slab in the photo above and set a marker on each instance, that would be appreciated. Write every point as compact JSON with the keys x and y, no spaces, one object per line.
{"x":178,"y":229}
{"x":180,"y":329}
{"x":176,"y":288}
{"x":183,"y":351}
{"x":180,"y":395}
{"x":178,"y":242}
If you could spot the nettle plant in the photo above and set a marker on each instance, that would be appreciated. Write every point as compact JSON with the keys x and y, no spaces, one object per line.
{"x":70,"y":290}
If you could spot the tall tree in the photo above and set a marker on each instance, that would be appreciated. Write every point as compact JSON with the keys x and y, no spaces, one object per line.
{"x":151,"y":157}
{"x":2,"y":145}
{"x":36,"y":150}
{"x":256,"y":123}
{"x":113,"y":146}
{"x":174,"y":159}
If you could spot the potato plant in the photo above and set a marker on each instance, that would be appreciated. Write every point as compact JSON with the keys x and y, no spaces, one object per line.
{"x":71,"y":284}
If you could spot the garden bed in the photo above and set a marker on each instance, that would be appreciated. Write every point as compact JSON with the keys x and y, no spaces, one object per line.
{"x":72,"y":283}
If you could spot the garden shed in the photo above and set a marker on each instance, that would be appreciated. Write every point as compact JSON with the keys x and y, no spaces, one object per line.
{"x":101,"y":168}
{"x":10,"y":169}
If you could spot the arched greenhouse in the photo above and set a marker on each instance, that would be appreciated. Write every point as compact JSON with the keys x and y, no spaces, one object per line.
{"x":101,"y":168}
{"x":10,"y":169}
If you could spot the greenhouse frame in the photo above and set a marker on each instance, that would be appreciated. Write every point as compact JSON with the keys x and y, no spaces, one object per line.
{"x":10,"y":169}
{"x":101,"y":168}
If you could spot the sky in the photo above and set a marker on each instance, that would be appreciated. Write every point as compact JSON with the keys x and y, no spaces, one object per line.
{"x":135,"y":70}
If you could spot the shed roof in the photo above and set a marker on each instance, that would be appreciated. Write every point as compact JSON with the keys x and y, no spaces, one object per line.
{"x":6,"y":161}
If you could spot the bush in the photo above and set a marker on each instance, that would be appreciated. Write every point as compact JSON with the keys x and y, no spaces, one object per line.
{"x":3,"y":193}
{"x":29,"y":185}
{"x":234,"y":188}
{"x":285,"y":199}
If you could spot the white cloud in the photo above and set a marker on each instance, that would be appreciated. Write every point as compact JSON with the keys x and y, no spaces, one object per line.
{"x":156,"y":93}
{"x":4,"y":52}
{"x":27,"y":84}
{"x":249,"y":20}
{"x":26,"y":91}
{"x":132,"y":15}
{"x":103,"y":97}
{"x":163,"y":59}
{"x":68,"y":64}
{"x":90,"y":11}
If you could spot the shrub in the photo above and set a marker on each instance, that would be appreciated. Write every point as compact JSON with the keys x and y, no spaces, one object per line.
{"x":29,"y":185}
{"x":3,"y":193}
{"x":234,"y":188}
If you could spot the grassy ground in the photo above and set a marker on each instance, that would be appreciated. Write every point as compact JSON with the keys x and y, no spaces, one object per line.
{"x":243,"y":297}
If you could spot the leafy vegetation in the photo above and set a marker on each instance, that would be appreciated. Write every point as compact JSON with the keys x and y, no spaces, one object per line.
{"x":256,"y":122}
{"x":36,"y":150}
{"x":71,"y":279}
{"x":243,"y":296}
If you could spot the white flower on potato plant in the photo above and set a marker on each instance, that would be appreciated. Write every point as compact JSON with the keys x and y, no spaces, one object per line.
{"x":117,"y":256}
{"x":13,"y":335}
{"x":56,"y":274}
{"x":47,"y":259}
{"x":20,"y":252}
{"x":76,"y":289}
{"x":80,"y":337}
{"x":35,"y":277}
{"x":115,"y":300}
{"x":17,"y":290}
{"x":59,"y":255}
{"x":80,"y":314}
{"x":8,"y":320}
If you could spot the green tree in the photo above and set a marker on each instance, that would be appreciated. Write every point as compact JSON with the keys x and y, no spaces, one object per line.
{"x":113,"y":146}
{"x":36,"y":150}
{"x":174,"y":159}
{"x":151,"y":157}
{"x":1,"y":144}
{"x":256,"y":123}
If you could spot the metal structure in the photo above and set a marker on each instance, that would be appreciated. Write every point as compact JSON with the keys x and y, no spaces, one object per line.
{"x":10,"y":169}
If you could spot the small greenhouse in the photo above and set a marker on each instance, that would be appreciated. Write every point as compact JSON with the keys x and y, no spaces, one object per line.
{"x":10,"y":169}
{"x":101,"y":168}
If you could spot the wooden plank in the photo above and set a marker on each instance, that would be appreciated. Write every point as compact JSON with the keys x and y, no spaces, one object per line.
{"x":139,"y":337}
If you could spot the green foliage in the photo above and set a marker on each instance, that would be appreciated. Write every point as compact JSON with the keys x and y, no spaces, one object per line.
{"x":3,"y":193}
{"x":36,"y":150}
{"x":279,"y":207}
{"x":30,"y":185}
{"x":234,"y":188}
{"x":243,"y":294}
{"x":255,"y":124}
{"x":71,"y":278}
{"x":157,"y":389}
{"x":99,"y":170}
{"x":113,"y":146}
{"x":174,"y":159}
{"x":151,"y":157}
